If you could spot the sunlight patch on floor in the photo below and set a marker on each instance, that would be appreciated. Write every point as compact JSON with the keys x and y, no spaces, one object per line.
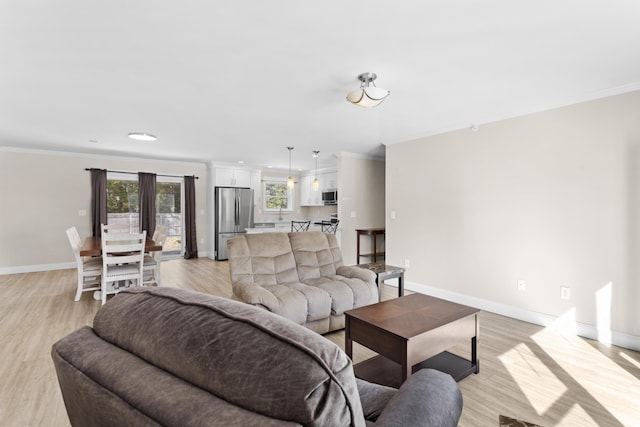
{"x":574,"y":416}
{"x":626,"y":357}
{"x":536,"y":381}
{"x":621,"y":397}
{"x":566,"y":323}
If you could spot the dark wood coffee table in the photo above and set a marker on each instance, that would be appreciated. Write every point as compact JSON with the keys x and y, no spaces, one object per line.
{"x":410,"y":333}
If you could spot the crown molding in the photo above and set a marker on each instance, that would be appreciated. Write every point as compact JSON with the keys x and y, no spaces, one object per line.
{"x":592,"y":96}
{"x":94,"y":156}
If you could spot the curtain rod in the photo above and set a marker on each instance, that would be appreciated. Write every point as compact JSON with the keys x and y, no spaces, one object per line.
{"x":136,"y":173}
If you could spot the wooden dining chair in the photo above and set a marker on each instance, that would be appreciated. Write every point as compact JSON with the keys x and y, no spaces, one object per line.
{"x":300,"y":225}
{"x":151,"y":267}
{"x":122,"y":261}
{"x":89,"y":268}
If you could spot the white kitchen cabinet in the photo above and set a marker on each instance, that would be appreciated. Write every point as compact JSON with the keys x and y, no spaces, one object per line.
{"x":256,"y":184}
{"x":308,"y":197}
{"x":329,"y":181}
{"x":229,"y":177}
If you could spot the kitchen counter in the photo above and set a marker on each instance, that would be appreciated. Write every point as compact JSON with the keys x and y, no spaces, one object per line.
{"x":279,"y":227}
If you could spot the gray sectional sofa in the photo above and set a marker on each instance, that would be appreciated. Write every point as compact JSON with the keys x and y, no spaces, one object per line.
{"x":171,"y":357}
{"x":299,"y":276}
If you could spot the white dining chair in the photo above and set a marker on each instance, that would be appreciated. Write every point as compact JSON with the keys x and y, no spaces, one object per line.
{"x":116,"y":228}
{"x":151,"y":268}
{"x":160,"y":229}
{"x":89,"y":268}
{"x":122,"y":261}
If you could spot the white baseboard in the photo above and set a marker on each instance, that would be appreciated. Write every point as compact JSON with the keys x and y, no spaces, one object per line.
{"x":619,"y":339}
{"x":37,"y":267}
{"x":62,"y":266}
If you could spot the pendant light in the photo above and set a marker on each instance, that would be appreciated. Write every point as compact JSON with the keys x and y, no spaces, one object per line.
{"x":316,"y":183}
{"x":290,"y":179}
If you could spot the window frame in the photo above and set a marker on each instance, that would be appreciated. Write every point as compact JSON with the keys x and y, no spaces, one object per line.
{"x":290,"y":199}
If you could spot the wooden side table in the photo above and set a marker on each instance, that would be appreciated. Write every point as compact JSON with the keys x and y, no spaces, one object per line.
{"x":373,"y":232}
{"x":384,"y":272}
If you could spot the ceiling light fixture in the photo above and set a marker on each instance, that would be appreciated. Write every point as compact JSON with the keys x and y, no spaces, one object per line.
{"x":140,"y":136}
{"x":316,"y":183}
{"x":290,"y":179}
{"x":368,"y":95}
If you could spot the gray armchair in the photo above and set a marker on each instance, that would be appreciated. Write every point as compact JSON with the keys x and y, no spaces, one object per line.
{"x":162,"y":356}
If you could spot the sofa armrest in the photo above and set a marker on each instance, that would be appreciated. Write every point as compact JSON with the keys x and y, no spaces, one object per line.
{"x":255,"y":295}
{"x":427,"y":398}
{"x":357,"y":273}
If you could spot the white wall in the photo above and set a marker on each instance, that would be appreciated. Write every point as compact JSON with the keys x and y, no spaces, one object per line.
{"x":552,"y":198}
{"x":361,"y":191}
{"x":42,"y":193}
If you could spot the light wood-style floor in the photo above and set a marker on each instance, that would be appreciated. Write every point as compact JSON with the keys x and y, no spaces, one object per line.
{"x":526,"y":371}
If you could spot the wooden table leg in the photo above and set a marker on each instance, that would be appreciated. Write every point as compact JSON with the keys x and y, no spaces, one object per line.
{"x":406,"y":367}
{"x":373,"y":246}
{"x":348,"y":342}
{"x":474,"y":354}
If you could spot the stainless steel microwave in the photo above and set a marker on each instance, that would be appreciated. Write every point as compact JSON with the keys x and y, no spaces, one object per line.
{"x":330,"y":197}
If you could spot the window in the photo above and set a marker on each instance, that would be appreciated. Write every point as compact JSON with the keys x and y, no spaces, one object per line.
{"x":123,"y":206}
{"x":122,"y":201}
{"x":277,"y":196}
{"x":169,"y":208}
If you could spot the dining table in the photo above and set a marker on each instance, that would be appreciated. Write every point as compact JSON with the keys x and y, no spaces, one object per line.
{"x":92,"y":246}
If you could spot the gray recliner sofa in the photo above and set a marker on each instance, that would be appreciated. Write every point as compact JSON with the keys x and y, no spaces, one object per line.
{"x":162,"y":356}
{"x":300,"y":276}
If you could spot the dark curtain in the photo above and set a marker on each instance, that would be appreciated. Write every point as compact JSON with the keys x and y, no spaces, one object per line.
{"x":191,"y":242}
{"x":98,"y":200}
{"x":147,"y":192}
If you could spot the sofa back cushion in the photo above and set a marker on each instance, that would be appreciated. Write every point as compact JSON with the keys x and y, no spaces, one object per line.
{"x":263,"y":259}
{"x":316,"y":254}
{"x":247,"y":356}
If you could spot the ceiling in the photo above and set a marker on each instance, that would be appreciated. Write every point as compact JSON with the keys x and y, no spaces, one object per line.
{"x":225,"y":81}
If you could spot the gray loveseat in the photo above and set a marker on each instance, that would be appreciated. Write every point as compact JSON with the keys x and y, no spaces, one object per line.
{"x":299,"y":276}
{"x":162,"y":356}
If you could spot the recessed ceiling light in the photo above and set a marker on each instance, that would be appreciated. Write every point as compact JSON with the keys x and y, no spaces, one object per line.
{"x":241,"y":161}
{"x":142,"y":136}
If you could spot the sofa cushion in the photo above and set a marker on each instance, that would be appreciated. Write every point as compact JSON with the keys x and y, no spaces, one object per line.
{"x":316,"y":254}
{"x":306,"y":378}
{"x":319,"y":259}
{"x":274,"y":265}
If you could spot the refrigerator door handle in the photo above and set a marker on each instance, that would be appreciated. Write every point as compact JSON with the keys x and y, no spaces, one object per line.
{"x":236,"y":218}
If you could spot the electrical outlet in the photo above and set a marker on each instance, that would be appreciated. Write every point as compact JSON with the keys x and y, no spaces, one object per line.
{"x":522,"y":285}
{"x":565,"y":292}
{"x":407,"y":263}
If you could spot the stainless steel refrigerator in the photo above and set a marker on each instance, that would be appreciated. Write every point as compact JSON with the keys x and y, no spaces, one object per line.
{"x":234,"y":213}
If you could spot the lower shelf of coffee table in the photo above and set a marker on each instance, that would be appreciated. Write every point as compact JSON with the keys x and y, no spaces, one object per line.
{"x":381,"y":370}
